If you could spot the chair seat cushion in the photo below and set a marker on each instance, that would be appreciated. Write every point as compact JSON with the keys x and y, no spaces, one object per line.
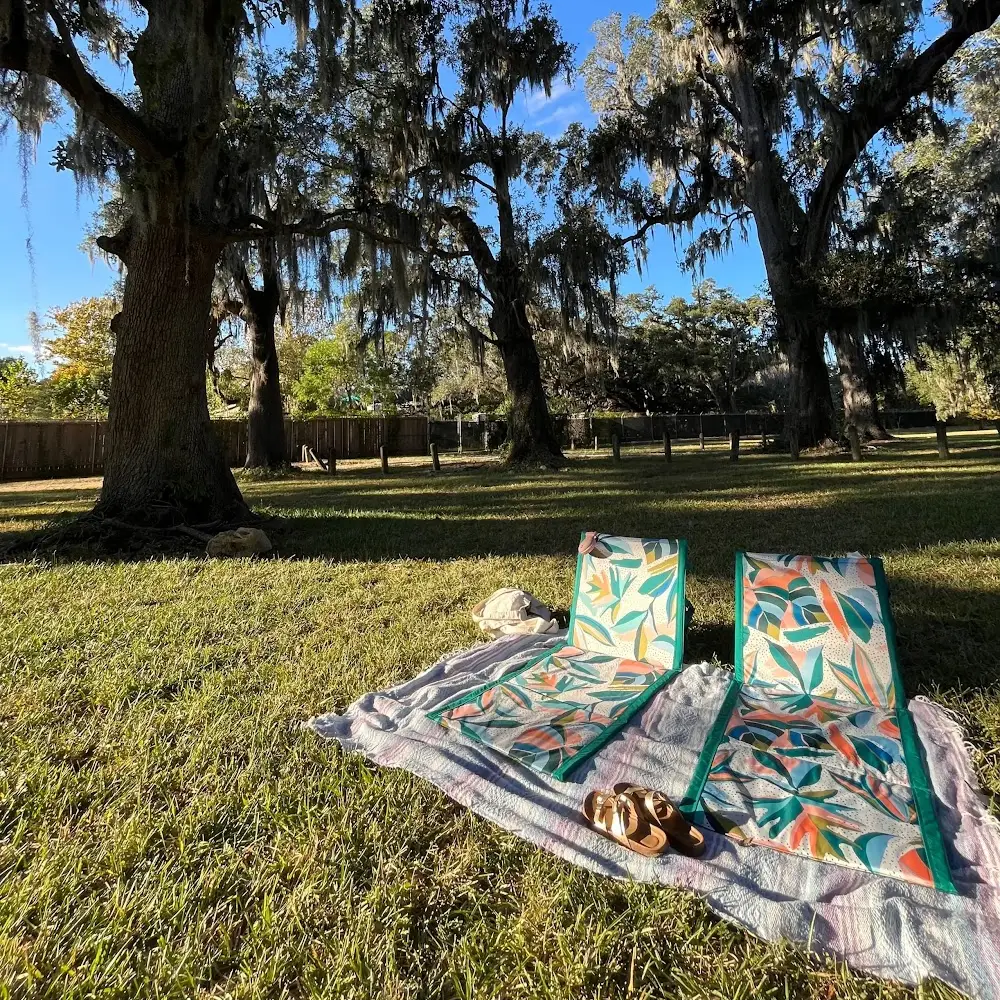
{"x":547,"y":712}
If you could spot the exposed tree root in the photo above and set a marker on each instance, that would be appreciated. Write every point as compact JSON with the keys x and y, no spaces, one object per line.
{"x":157,"y":530}
{"x":532,"y":459}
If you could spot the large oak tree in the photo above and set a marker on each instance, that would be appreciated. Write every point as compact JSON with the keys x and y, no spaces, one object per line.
{"x":777,"y":103}
{"x":166,"y":145}
{"x":507,"y":227}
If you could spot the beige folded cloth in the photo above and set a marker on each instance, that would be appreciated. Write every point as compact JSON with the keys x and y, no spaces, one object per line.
{"x":509,"y":611}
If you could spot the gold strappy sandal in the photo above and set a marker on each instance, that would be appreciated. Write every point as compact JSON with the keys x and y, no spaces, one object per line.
{"x":683,"y":837}
{"x":623,"y":819}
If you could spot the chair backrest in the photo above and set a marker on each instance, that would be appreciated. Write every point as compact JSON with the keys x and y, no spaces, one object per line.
{"x":629,"y":598}
{"x":817,"y":625}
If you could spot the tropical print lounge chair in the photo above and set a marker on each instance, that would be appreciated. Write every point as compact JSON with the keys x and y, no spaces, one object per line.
{"x":814,"y":751}
{"x":624,"y":643}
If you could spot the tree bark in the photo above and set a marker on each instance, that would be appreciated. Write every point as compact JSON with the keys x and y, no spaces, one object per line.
{"x":783,"y":233}
{"x":160,"y":445}
{"x":530,"y":436}
{"x":810,"y":414}
{"x":265,"y":414}
{"x":860,"y":404}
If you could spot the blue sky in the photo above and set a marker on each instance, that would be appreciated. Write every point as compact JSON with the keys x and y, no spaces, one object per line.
{"x":59,"y":215}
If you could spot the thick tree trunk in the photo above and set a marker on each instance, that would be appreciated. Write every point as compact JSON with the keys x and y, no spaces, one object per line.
{"x":162,"y":459}
{"x":266,"y":418}
{"x":530,"y":436}
{"x":160,"y":448}
{"x":810,"y":415}
{"x":860,"y":404}
{"x":781,"y":229}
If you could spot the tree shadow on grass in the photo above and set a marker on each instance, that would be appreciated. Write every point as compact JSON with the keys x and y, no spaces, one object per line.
{"x":876,"y":518}
{"x":948,"y":631}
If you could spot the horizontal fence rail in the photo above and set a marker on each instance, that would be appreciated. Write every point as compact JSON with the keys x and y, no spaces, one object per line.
{"x":48,"y":449}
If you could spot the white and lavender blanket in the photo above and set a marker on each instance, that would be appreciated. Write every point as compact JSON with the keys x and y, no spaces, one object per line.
{"x":879,"y":925}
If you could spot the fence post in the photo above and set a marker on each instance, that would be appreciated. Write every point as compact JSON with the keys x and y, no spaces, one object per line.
{"x":383,"y":454}
{"x":701,"y":431}
{"x":435,"y":461}
{"x":666,"y":443}
{"x":460,"y":433}
{"x":3,"y":453}
{"x":616,"y":448}
{"x":941,"y":431}
{"x":595,"y":442}
{"x":331,"y":462}
{"x":855,"y":442}
{"x":93,"y":448}
{"x":734,"y":445}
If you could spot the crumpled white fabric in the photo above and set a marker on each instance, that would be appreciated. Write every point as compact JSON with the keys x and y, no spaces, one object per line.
{"x":510,"y":611}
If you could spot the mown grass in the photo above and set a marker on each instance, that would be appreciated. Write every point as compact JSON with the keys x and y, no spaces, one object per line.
{"x":167,"y":829}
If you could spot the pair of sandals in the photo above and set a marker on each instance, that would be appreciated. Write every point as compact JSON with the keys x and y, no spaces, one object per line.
{"x":642,"y":820}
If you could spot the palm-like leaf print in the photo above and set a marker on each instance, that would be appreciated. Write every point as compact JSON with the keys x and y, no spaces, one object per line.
{"x":800,"y":670}
{"x":593,"y":628}
{"x":805,"y":809}
{"x":878,"y":752}
{"x":624,"y":629}
{"x":816,"y":564}
{"x":606,"y":590}
{"x":784,"y":602}
{"x":870,"y":849}
{"x":661,"y":554}
{"x":814,"y":761}
{"x":858,"y":616}
{"x":896,"y":802}
{"x":860,"y":679}
{"x":914,"y":863}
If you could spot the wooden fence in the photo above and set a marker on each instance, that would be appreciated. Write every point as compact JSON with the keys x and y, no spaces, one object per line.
{"x":351,"y":437}
{"x":49,"y":449}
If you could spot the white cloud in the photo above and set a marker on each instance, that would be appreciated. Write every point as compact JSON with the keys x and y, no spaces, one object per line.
{"x":16,"y":349}
{"x":557,"y":119}
{"x":537,"y":99}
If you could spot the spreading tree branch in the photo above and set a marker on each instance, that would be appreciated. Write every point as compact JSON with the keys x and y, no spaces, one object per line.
{"x":57,"y":60}
{"x":879,"y":108}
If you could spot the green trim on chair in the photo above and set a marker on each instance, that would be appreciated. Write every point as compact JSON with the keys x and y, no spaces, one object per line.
{"x":740,"y":637}
{"x":930,"y":830}
{"x":576,"y":591}
{"x":588,"y":750}
{"x":690,"y":805}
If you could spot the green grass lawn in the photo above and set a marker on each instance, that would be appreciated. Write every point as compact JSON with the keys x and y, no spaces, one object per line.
{"x":167,"y":829}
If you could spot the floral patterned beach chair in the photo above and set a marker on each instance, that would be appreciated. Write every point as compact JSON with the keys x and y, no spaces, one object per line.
{"x":815,"y":752}
{"x":624,"y":643}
